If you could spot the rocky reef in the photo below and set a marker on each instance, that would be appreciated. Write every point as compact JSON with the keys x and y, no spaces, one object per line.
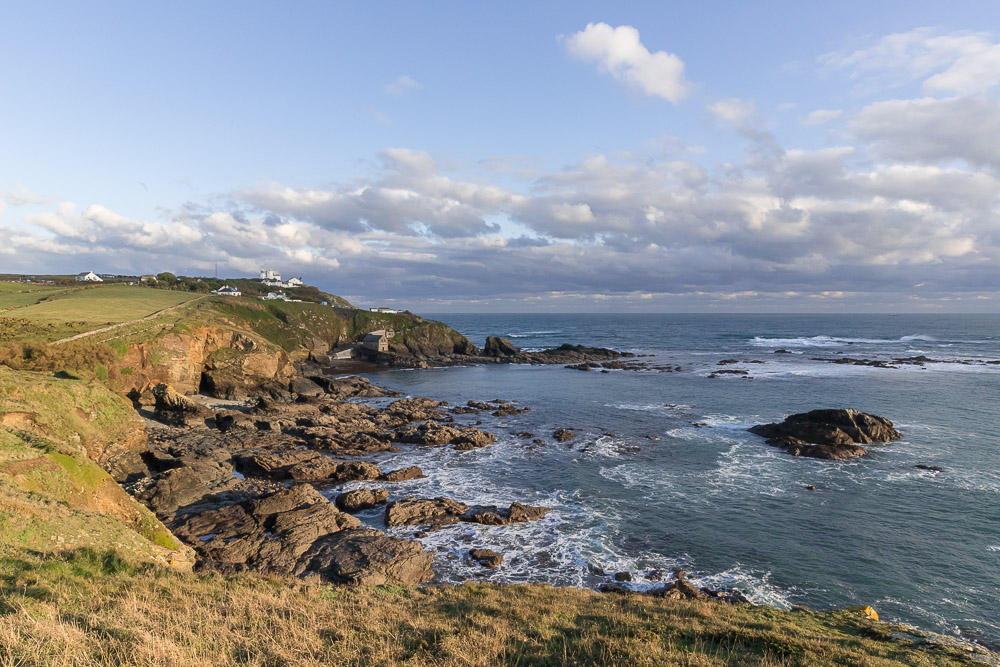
{"x":828,"y":434}
{"x":242,"y":486}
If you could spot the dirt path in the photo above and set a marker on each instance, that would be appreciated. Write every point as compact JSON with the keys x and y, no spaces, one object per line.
{"x":125,"y":324}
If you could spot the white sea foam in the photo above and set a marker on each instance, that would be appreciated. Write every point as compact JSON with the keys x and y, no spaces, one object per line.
{"x":993,"y":547}
{"x":832,"y":341}
{"x":530,"y":334}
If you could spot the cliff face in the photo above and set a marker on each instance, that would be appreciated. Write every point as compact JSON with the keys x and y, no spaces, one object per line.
{"x":224,"y":362}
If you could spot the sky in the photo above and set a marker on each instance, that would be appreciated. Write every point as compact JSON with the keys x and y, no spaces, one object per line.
{"x":514,"y":157}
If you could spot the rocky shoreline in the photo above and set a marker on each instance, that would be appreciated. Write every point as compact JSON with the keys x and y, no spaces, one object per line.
{"x":257,"y":485}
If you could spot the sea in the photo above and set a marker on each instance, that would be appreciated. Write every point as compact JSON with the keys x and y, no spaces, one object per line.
{"x":664,"y":475}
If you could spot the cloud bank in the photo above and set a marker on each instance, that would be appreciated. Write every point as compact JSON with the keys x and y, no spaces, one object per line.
{"x":900,"y":215}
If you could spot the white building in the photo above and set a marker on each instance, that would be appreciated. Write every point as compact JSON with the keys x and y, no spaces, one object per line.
{"x":275,"y":296}
{"x":226,"y":290}
{"x":387,"y":311}
{"x":268,"y":274}
{"x":89,"y":277}
{"x":294,"y":282}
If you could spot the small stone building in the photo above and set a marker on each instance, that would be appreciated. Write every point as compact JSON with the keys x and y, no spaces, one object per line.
{"x":376,"y":341}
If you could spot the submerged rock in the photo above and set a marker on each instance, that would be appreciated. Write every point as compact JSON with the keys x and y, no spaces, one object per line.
{"x":563,"y":434}
{"x":486,"y":557}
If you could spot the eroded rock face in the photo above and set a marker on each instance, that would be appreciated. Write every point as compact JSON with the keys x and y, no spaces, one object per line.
{"x":368,"y":557}
{"x":828,"y":434}
{"x":516,"y":513}
{"x":424,"y":511}
{"x":269,"y":534}
{"x":403,"y":474}
{"x":361,"y":499}
{"x":434,"y":434}
{"x":304,"y":465}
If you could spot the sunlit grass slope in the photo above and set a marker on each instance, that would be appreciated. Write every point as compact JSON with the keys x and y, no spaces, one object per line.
{"x":90,"y":608}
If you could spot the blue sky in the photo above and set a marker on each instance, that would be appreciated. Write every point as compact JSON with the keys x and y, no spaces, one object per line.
{"x":514,"y":156}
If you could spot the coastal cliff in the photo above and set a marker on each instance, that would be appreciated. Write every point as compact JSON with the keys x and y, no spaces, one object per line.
{"x":234,"y":490}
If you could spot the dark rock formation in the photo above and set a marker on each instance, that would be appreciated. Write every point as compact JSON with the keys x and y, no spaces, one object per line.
{"x":499,"y":347}
{"x":516,"y":513}
{"x":367,"y":557}
{"x":172,"y":408}
{"x":563,"y":434}
{"x":486,"y":557}
{"x":269,"y":534}
{"x":828,"y":434}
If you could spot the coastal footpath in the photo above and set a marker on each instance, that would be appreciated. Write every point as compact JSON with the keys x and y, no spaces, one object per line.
{"x":165,"y":498}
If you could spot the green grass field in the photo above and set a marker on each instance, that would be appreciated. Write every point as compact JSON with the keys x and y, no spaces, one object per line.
{"x":18,"y":295}
{"x":104,"y":305}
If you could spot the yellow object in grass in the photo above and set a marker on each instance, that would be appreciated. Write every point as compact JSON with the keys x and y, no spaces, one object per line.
{"x":868,"y":611}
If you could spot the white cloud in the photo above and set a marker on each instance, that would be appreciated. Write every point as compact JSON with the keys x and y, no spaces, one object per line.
{"x":618,"y":51}
{"x":733,"y":111}
{"x":822,"y":116}
{"x":403,"y":85}
{"x":933,"y":130}
{"x":959,"y":62}
{"x":20,"y":196}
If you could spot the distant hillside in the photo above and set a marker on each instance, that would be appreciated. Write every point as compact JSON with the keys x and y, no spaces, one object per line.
{"x":132,"y":335}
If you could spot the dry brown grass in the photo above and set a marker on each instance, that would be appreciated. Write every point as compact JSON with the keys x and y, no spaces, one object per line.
{"x":96,"y":609}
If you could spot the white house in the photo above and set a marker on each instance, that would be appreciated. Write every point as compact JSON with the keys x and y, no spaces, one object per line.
{"x":226,"y":290}
{"x":387,"y":311}
{"x":268,"y":274}
{"x":294,"y":282}
{"x":89,"y":277}
{"x":272,"y":296}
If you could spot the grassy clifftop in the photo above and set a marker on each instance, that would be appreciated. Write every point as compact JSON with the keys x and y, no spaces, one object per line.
{"x":133,"y":334}
{"x":88,"y":608}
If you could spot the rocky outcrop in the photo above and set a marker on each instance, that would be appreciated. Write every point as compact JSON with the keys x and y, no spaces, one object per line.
{"x":367,"y":557}
{"x":563,"y":434}
{"x":486,"y":557}
{"x":403,"y":474}
{"x":173,"y":408}
{"x":433,"y":434}
{"x":424,"y":511}
{"x":222,"y":362}
{"x":828,"y":434}
{"x":361,"y":499}
{"x":499,"y":347}
{"x":303,"y":465}
{"x":270,"y":534}
{"x":516,"y":513}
